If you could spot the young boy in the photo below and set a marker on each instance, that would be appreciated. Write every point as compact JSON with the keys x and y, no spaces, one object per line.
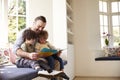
{"x":43,"y":43}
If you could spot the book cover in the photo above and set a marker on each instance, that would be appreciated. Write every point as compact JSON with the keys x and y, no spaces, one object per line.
{"x":47,"y":52}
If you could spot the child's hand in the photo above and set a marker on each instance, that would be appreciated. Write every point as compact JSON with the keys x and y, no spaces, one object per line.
{"x":59,"y":52}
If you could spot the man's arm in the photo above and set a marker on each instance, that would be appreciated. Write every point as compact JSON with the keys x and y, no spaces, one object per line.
{"x":17,"y":46}
{"x":22,"y":53}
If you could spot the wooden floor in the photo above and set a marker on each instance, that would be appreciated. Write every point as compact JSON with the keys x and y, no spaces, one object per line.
{"x":96,"y":78}
{"x":83,"y":78}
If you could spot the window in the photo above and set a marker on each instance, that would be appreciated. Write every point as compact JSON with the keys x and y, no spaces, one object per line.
{"x":16,"y":18}
{"x":12,"y":19}
{"x":110,"y":20}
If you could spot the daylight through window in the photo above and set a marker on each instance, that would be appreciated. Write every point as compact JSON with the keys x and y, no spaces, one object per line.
{"x":110,"y":21}
{"x":16,"y":18}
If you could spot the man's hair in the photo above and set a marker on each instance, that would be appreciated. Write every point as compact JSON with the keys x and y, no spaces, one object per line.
{"x":29,"y":34}
{"x":42,"y":18}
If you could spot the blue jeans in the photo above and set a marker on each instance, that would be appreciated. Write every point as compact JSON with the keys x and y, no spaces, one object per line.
{"x":51,"y":61}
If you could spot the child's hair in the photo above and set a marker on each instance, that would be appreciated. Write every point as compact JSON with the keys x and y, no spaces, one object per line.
{"x":29,"y":34}
{"x":42,"y":34}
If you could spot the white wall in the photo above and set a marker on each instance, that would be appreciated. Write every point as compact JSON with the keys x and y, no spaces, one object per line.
{"x":59,"y":23}
{"x":44,"y":8}
{"x":87,"y":42}
{"x":56,"y":23}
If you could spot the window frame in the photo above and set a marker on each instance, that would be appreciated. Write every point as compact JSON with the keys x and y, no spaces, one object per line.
{"x":110,"y":25}
{"x":4,"y":20}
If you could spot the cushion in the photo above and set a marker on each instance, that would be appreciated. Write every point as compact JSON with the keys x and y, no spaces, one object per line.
{"x":12,"y":73}
{"x":4,"y":56}
{"x":110,"y":51}
{"x":107,"y":58}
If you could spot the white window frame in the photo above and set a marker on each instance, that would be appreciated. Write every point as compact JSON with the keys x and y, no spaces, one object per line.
{"x":110,"y":25}
{"x":4,"y":20}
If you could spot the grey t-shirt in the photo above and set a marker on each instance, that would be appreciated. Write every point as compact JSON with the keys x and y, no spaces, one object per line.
{"x":19,"y":41}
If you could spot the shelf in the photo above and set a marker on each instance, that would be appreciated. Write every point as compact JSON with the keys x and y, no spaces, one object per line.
{"x":69,"y":17}
{"x":68,"y":2}
{"x":70,"y":32}
{"x":69,"y":7}
{"x":70,"y":39}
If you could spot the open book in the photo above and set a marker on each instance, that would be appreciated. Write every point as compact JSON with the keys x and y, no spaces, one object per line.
{"x":49,"y":75}
{"x":45,"y":52}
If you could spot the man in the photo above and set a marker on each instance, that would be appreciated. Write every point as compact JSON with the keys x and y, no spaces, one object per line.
{"x":38,"y":25}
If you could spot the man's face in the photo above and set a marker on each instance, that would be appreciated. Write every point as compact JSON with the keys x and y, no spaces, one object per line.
{"x":39,"y":25}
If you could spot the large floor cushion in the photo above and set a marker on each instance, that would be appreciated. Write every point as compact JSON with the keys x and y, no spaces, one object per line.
{"x":12,"y":73}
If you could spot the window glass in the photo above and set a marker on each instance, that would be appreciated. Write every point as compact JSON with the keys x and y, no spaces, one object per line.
{"x":115,"y":6}
{"x":115,"y":20}
{"x":16,"y":18}
{"x":116,"y":31}
{"x":102,"y":6}
{"x":21,"y":23}
{"x":21,"y":7}
{"x":116,"y":35}
{"x":12,"y":7}
{"x":103,"y":20}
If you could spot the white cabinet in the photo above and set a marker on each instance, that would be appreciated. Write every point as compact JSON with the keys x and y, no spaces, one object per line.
{"x":69,"y":68}
{"x":70,"y":44}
